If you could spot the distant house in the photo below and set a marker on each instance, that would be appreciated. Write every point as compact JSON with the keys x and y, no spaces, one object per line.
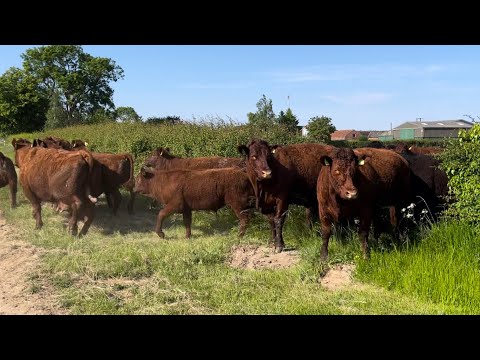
{"x":385,"y":135}
{"x":374,"y":135}
{"x":430,"y":129}
{"x":345,"y":135}
{"x":303,"y":130}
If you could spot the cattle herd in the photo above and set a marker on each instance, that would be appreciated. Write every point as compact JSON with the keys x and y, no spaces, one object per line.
{"x":370,"y":185}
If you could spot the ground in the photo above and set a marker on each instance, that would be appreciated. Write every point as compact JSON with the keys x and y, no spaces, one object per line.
{"x":18,"y":261}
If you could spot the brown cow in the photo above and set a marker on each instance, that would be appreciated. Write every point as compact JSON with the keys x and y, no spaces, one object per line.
{"x":110,"y":172}
{"x":181,"y":191}
{"x":162,"y":159}
{"x":427,"y":150}
{"x":56,"y":176}
{"x":54,"y":142}
{"x":8,"y":176}
{"x":429,"y":181}
{"x":353,"y":184}
{"x":285,"y":175}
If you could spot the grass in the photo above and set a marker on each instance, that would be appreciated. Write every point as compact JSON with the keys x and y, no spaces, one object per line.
{"x":122,"y":267}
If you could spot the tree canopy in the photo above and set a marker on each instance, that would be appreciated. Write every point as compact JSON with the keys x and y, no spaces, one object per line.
{"x":288,"y":119}
{"x":127,"y":114}
{"x":23,"y":104}
{"x":264,"y":117}
{"x":320,"y":128}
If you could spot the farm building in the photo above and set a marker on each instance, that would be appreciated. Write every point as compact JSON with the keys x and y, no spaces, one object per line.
{"x":429,"y":129}
{"x":345,"y":135}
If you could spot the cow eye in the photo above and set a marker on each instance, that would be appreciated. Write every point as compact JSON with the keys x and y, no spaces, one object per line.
{"x":254,"y":158}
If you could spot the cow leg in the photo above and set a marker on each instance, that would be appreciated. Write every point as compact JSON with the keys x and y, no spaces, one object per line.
{"x":326,"y":226}
{"x":280,"y":215}
{"x":13,"y":193}
{"x":76,"y":209}
{"x":310,"y":215}
{"x":117,"y":199}
{"x":244,"y":217}
{"x":36,"y":205}
{"x":109,"y":198}
{"x":87,"y":214}
{"x":130,"y":203}
{"x":187,"y":221}
{"x":363,"y":230}
{"x":162,"y":214}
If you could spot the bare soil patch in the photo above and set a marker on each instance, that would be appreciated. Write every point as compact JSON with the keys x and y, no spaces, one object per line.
{"x":262,"y":257}
{"x":18,"y":261}
{"x":338,"y":277}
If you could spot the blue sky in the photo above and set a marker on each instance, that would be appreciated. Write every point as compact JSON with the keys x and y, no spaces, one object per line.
{"x":359,"y":87}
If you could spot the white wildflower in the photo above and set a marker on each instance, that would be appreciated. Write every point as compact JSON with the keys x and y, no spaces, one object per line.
{"x":411,"y":206}
{"x":403,"y":210}
{"x":424,"y":211}
{"x":409,"y":216}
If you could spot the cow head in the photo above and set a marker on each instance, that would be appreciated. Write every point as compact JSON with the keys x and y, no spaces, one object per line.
{"x":142,"y":182}
{"x":19,"y":146}
{"x":78,"y":144}
{"x":259,"y":157}
{"x":342,"y":165}
{"x":158,"y":157}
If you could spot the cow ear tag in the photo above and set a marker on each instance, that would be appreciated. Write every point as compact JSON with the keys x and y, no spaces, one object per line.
{"x":327,"y":163}
{"x":361,"y":162}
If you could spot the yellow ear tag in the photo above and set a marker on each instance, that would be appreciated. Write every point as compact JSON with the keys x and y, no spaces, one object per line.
{"x":410,"y":148}
{"x":273,"y":151}
{"x":86,"y":144}
{"x":161,"y":153}
{"x":361,"y":162}
{"x":326,"y":162}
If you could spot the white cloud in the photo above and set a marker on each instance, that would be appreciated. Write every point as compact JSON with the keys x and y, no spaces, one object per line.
{"x":242,"y":85}
{"x":353,"y":71}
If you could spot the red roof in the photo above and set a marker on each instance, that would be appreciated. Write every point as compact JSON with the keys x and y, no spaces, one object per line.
{"x":340,"y":134}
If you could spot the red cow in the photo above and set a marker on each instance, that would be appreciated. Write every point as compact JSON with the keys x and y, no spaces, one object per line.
{"x":56,"y":176}
{"x":181,"y":191}
{"x":8,"y":176}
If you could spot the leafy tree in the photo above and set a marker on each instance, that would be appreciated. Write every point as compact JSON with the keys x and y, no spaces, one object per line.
{"x":23,"y":104}
{"x":320,"y":128}
{"x":164,"y":120}
{"x":79,"y":81}
{"x":264,"y":117}
{"x":288,"y":119}
{"x":363,"y":138}
{"x":127,"y":114}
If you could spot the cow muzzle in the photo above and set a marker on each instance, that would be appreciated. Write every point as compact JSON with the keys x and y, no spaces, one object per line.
{"x":266,"y":174}
{"x":351,"y":194}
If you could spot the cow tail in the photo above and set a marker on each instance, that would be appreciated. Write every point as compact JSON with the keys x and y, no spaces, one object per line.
{"x":88,"y":157}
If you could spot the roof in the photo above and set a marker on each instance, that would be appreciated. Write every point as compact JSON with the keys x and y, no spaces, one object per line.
{"x":460,"y":123}
{"x":340,"y":134}
{"x":376,"y":133}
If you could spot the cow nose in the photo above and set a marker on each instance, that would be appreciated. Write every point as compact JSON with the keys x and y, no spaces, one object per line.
{"x":266,"y":174}
{"x":351,"y":194}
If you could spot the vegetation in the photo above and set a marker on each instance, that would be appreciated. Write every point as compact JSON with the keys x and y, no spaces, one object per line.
{"x":461,"y":163}
{"x":320,"y":128}
{"x":127,"y":114}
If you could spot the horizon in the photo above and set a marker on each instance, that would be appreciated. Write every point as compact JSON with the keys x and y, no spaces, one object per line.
{"x":361,"y":87}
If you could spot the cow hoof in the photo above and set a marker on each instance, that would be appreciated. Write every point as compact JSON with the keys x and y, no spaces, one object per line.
{"x":161,"y":235}
{"x":278,"y":249}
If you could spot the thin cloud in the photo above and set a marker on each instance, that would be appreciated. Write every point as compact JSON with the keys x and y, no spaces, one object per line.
{"x":365,"y":98}
{"x":218,"y":86}
{"x":351,"y":71}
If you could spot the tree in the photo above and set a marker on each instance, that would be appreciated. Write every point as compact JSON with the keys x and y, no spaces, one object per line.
{"x":79,"y":82}
{"x":164,"y":120}
{"x":23,"y":104}
{"x":127,"y":114}
{"x":288,"y":119}
{"x":320,"y":128}
{"x":264,"y":117}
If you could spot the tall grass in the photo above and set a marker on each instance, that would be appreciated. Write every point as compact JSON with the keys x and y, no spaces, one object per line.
{"x":443,"y":268}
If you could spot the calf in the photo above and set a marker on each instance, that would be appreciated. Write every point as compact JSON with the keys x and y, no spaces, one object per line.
{"x":56,"y":176}
{"x":162,"y":159}
{"x":283,"y":175}
{"x":181,"y":191}
{"x":8,"y":176}
{"x":352,"y":184}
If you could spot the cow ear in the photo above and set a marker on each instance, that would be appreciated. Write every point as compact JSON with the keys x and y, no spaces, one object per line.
{"x":14,"y":142}
{"x":242,"y":149}
{"x":361,"y":160}
{"x":326,"y":160}
{"x":273,"y":148}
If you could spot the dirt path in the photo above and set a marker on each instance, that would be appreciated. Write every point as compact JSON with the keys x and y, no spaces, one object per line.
{"x":18,"y":260}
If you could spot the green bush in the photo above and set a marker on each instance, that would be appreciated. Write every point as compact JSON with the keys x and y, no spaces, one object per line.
{"x":461,"y":163}
{"x":214,"y":138}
